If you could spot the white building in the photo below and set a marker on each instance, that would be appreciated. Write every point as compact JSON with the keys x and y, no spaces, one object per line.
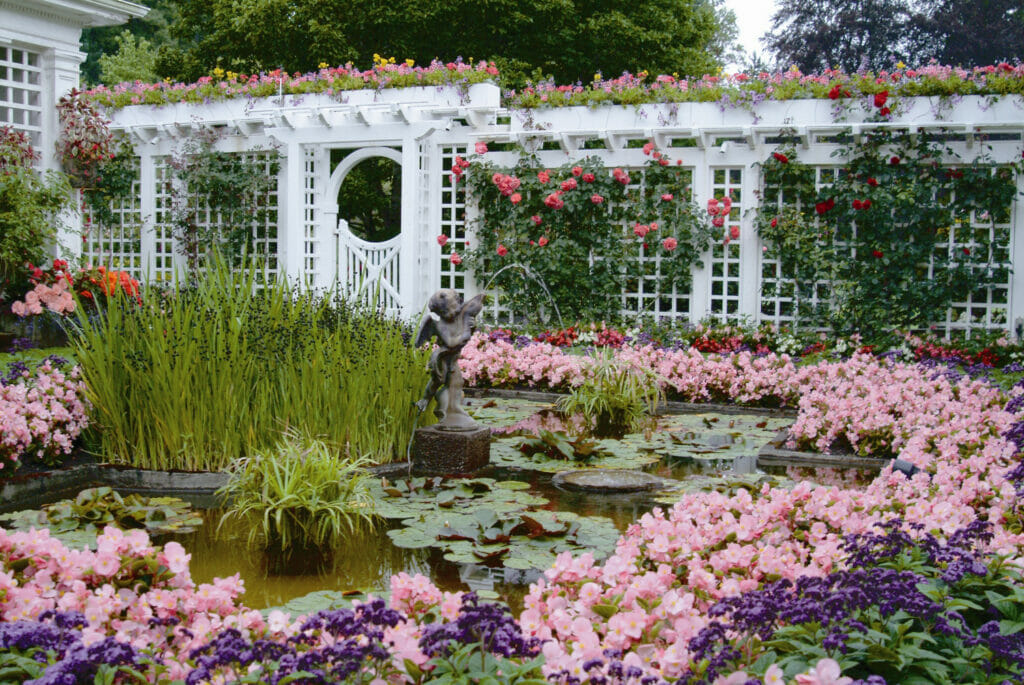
{"x":40,"y":55}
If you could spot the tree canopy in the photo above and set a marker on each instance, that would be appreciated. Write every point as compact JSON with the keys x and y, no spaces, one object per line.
{"x":879,"y":33}
{"x":567,"y":39}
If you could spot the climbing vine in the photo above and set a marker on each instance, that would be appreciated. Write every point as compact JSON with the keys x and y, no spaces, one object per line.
{"x":589,"y":233}
{"x":902,"y":229}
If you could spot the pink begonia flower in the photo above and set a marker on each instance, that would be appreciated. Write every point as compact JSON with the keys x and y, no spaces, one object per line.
{"x":774,"y":676}
{"x":480,"y":148}
{"x":826,"y":672}
{"x":442,"y":240}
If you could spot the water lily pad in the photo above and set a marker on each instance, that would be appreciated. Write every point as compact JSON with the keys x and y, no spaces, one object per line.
{"x":714,"y":436}
{"x":617,"y":454}
{"x":407,"y":498}
{"x":76,"y":522}
{"x":500,"y":412}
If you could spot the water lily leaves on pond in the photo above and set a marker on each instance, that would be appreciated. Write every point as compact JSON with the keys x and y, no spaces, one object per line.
{"x":76,"y":522}
{"x":715,"y":436}
{"x":615,"y":454}
{"x":500,"y":412}
{"x":529,"y":540}
{"x":405,"y":498}
{"x":319,"y":600}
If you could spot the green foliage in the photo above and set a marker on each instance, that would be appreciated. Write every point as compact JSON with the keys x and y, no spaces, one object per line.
{"x":230,"y":186}
{"x":206,"y":373}
{"x":614,"y":397}
{"x":567,"y":40}
{"x":473,"y":663}
{"x":112,"y":186}
{"x":557,"y":445}
{"x":370,"y":199}
{"x":29,"y":204}
{"x":103,"y":40}
{"x":76,"y":522}
{"x":409,"y":497}
{"x":586,"y":252}
{"x":135,"y":60}
{"x":896,"y":269}
{"x":300,"y":493}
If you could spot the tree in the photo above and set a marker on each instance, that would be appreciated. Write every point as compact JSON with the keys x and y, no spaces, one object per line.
{"x":850,"y":34}
{"x":562,"y":38}
{"x":971,"y":32}
{"x":110,"y":41}
{"x":133,"y":61}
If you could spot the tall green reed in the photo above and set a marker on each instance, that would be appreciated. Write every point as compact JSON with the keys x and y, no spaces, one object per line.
{"x":206,"y":372}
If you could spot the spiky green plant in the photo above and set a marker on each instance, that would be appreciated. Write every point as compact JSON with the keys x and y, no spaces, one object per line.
{"x":301,"y":493}
{"x":204,"y":373}
{"x":614,"y":397}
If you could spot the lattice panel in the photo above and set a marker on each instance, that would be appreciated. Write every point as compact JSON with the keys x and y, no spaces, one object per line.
{"x":778,"y":291}
{"x":162,"y":265}
{"x":725,"y":257}
{"x":647,"y":296}
{"x":453,"y":220}
{"x":119,"y":244}
{"x":313,"y":246}
{"x":984,"y":308}
{"x":21,"y":91}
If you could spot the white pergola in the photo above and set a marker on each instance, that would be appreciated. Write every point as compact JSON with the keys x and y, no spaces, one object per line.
{"x":423,"y":129}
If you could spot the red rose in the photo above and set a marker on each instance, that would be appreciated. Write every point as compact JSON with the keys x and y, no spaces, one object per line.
{"x":872,"y":182}
{"x":775,"y":222}
{"x":885,"y":111}
{"x":781,"y":157}
{"x":877,"y":254}
{"x":894,"y":161}
{"x":880,"y":98}
{"x":967,"y":251}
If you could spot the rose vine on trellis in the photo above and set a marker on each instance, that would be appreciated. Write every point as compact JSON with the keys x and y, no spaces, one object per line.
{"x":872,"y":250}
{"x":588,"y":233}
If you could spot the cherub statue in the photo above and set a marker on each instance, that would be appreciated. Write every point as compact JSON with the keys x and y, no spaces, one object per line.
{"x":453,"y":328}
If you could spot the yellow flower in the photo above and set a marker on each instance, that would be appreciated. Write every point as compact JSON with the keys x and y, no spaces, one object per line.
{"x":218,"y":72}
{"x":322,"y":65}
{"x":900,"y":65}
{"x":597,"y":76}
{"x":410,"y":62}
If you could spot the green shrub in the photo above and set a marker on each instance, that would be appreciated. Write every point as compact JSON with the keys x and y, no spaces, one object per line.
{"x":301,"y":493}
{"x":200,"y":375}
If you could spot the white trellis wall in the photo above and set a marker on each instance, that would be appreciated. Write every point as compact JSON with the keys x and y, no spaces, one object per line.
{"x":424,"y":129}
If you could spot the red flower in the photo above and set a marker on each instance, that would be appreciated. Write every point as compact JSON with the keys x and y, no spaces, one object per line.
{"x":667,"y":197}
{"x":734,"y":232}
{"x":669,"y":244}
{"x":866,"y":204}
{"x":880,"y":98}
{"x":543,"y":241}
{"x":857,"y":204}
{"x":515,"y":198}
{"x":535,"y":219}
{"x":569,"y":184}
{"x":588,"y":178}
{"x":894,"y":161}
{"x":825,"y":206}
{"x":781,"y":157}
{"x":885,"y":111}
{"x":456,"y":259}
{"x":877,"y":254}
{"x":543,"y":176}
{"x":502,"y":250}
{"x":775,"y":221}
{"x":442,"y":240}
{"x":596,"y":199}
{"x":834,"y":94}
{"x":872,"y":182}
{"x":553,"y":201}
{"x":577,"y":170}
{"x":967,"y":251}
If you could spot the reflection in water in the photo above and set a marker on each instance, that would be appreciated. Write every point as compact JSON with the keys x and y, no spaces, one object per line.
{"x":366,"y":561}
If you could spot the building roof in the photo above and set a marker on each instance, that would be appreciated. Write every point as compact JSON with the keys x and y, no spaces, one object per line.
{"x":86,"y":13}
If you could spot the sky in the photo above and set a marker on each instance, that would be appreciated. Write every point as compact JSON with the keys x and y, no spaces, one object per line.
{"x":753,"y":17}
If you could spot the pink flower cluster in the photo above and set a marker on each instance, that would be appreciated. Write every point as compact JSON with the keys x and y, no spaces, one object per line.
{"x":41,"y":415}
{"x":57,"y":298}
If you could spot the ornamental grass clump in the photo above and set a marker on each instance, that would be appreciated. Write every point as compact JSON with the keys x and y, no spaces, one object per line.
{"x":302,"y":495}
{"x":615,"y":397}
{"x":202,"y":374}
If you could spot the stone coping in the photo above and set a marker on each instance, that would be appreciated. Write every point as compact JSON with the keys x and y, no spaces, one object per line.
{"x":671,"y":407}
{"x":774,"y":454}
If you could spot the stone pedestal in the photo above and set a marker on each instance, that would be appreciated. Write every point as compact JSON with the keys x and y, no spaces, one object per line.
{"x":442,"y":452}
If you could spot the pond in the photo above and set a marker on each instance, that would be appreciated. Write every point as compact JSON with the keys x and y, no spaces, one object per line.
{"x":495,"y":531}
